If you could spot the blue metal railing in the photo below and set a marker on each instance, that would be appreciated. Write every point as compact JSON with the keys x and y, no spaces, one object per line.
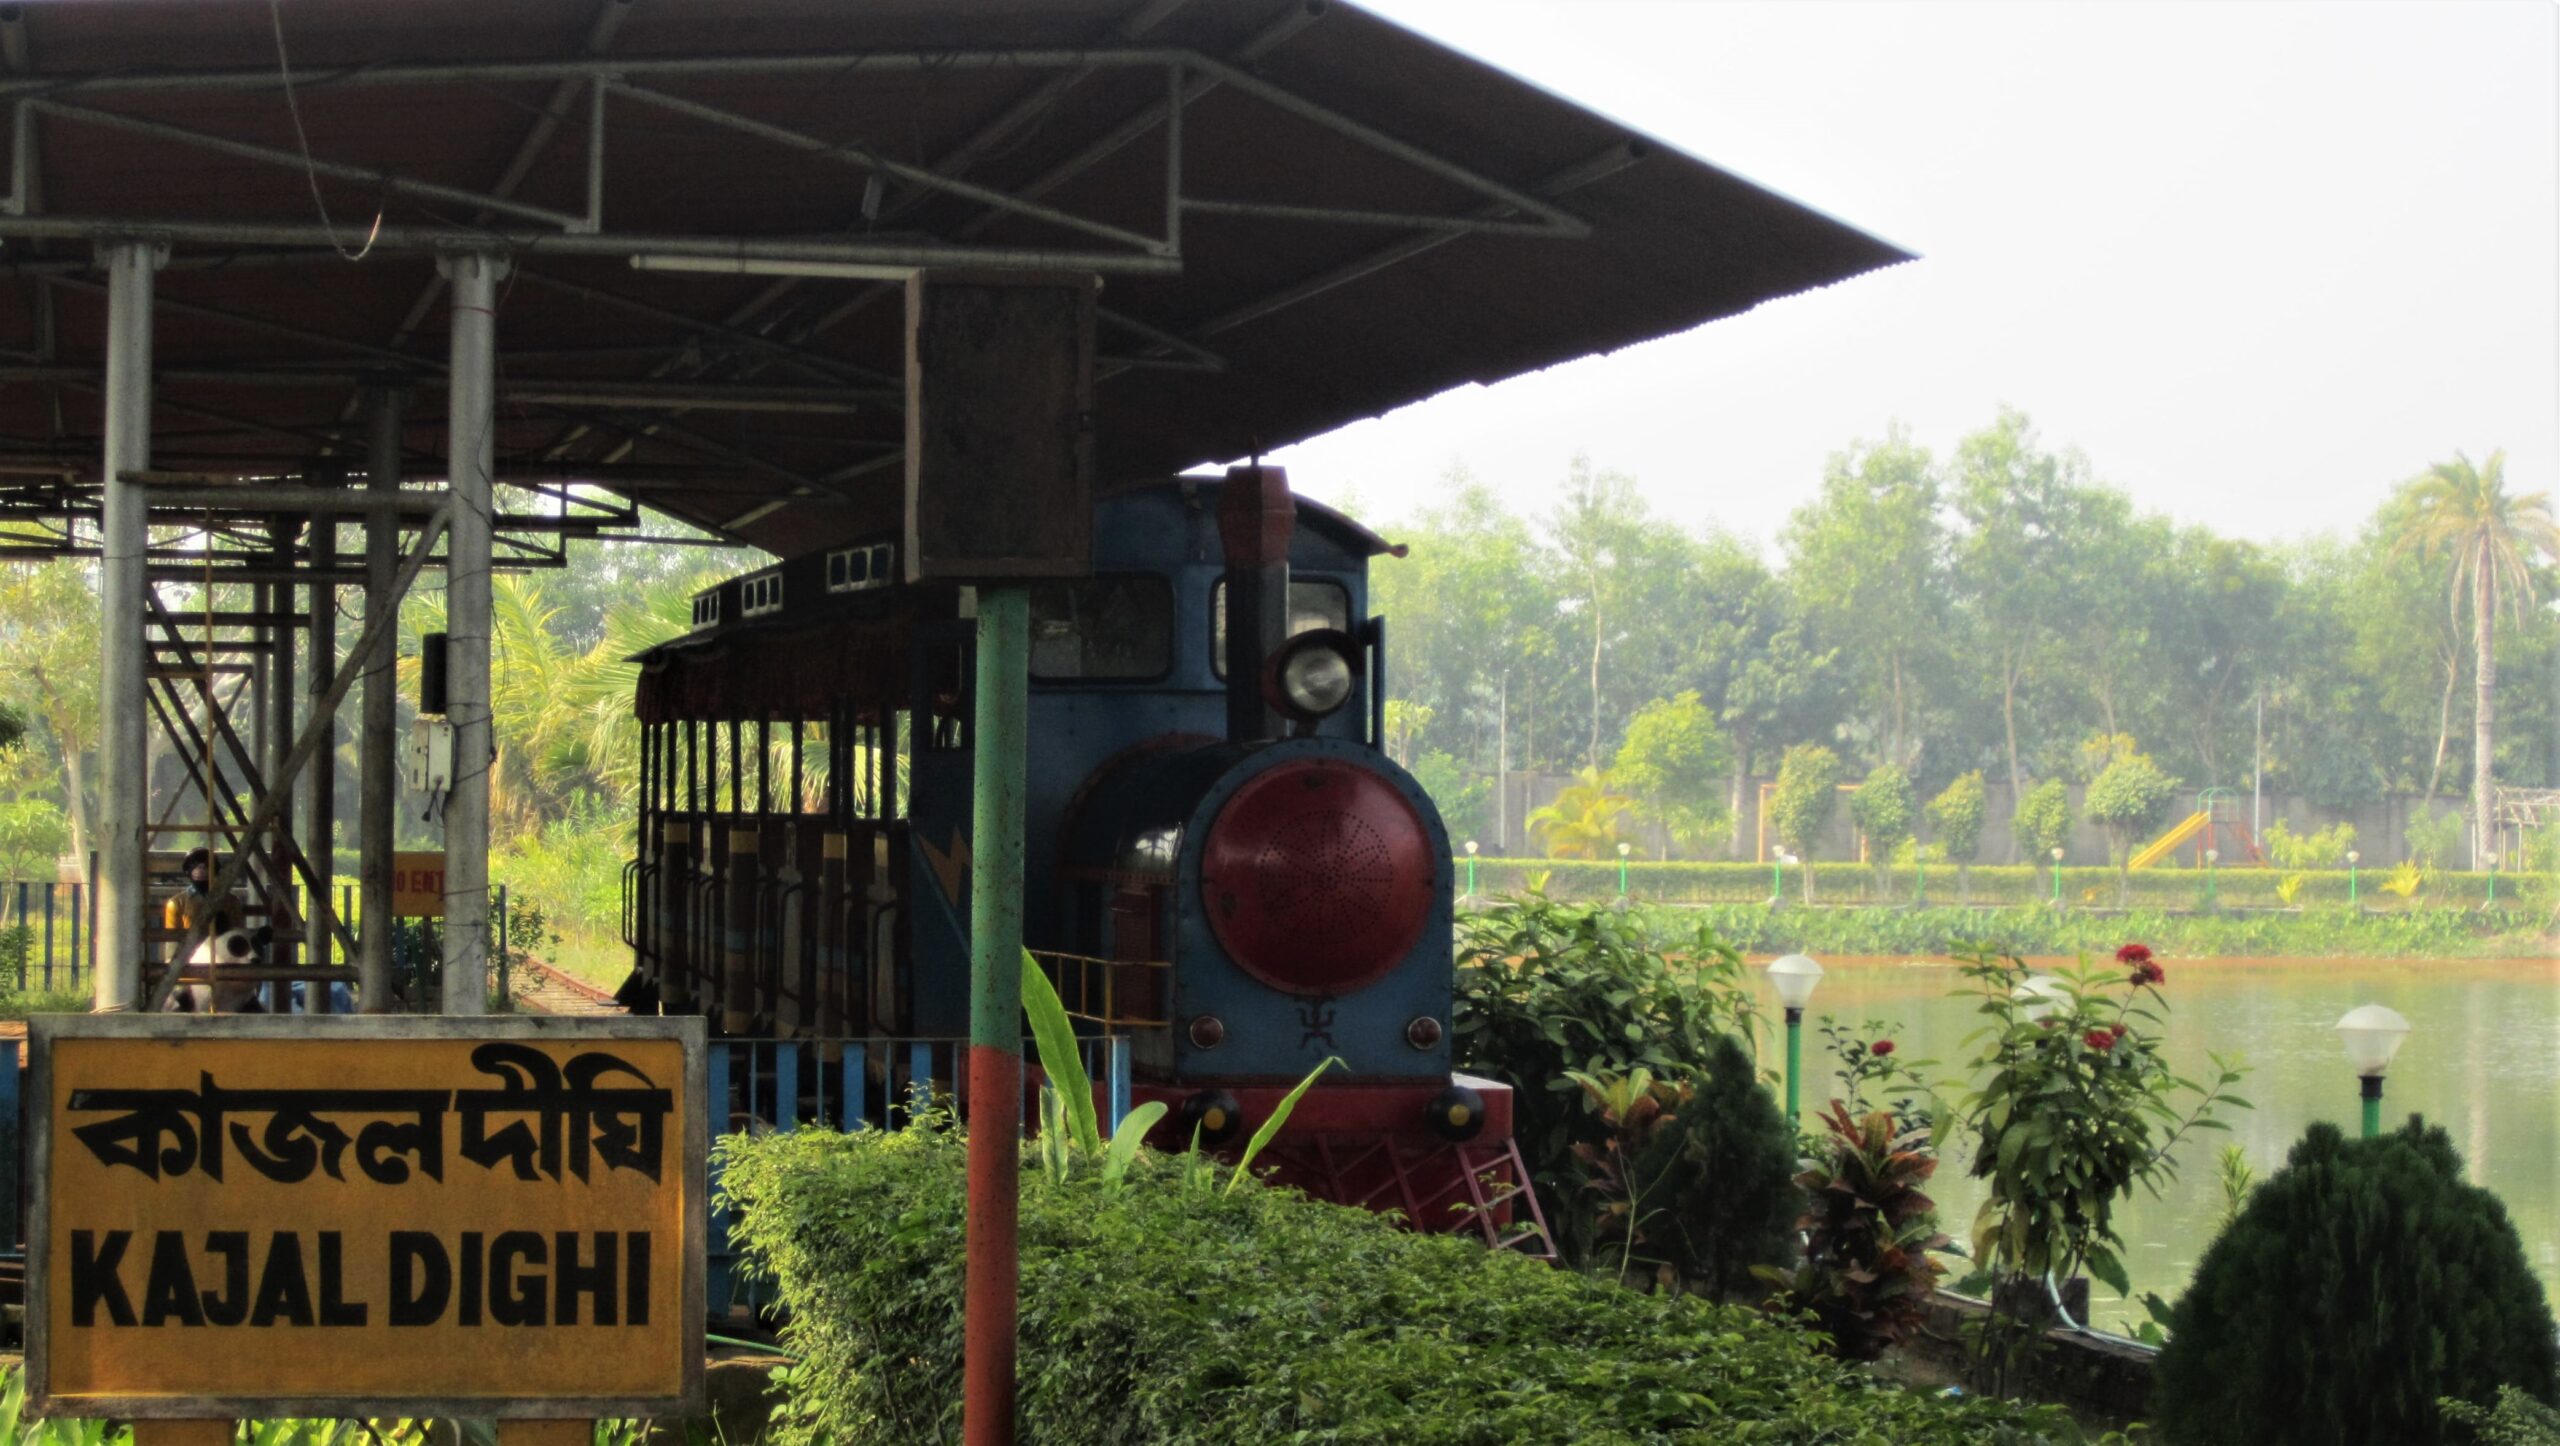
{"x":760,"y":1085}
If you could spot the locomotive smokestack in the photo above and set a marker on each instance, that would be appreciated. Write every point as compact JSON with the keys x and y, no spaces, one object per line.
{"x":1256,"y":516}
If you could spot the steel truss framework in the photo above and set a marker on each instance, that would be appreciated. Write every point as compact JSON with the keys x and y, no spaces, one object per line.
{"x":741,"y":363}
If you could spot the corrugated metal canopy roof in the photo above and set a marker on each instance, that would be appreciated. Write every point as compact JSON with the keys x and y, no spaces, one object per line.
{"x":756,"y":126}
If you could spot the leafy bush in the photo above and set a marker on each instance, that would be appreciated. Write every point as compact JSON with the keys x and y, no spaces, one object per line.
{"x":2126,"y":800}
{"x":1872,"y":1063}
{"x":2433,"y":838}
{"x":2362,"y":1282}
{"x":1691,"y":1177}
{"x":1885,"y":812}
{"x":2322,"y":849}
{"x":2075,"y":1109}
{"x":2042,"y":821}
{"x":1546,"y":989}
{"x":1957,"y":814}
{"x":1807,"y":792}
{"x":1163,"y":1315}
{"x":2517,"y":1420}
{"x":1868,"y":1230}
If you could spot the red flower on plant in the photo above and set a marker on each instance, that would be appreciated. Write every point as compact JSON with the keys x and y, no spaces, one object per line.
{"x":1881,"y":1047}
{"x":2136,"y":954}
{"x":2119,"y":1030}
{"x":2099,"y":1039}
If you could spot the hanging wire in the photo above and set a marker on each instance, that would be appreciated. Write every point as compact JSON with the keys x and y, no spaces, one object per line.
{"x":302,"y":141}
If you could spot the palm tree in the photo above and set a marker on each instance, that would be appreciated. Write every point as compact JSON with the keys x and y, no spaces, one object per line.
{"x":1583,"y":821}
{"x":2492,"y":539}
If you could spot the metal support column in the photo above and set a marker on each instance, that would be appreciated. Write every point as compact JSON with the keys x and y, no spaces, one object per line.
{"x":375,"y":785}
{"x":319,"y":835}
{"x":124,"y":536}
{"x":995,"y":1013}
{"x":286,"y":699}
{"x":471,"y":455}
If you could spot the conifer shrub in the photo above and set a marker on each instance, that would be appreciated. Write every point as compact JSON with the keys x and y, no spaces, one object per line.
{"x":2362,"y":1283}
{"x":1694,"y":1180}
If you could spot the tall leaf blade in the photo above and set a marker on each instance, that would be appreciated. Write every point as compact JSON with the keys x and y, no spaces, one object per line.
{"x":1279,"y":1117}
{"x":1059,"y":1055}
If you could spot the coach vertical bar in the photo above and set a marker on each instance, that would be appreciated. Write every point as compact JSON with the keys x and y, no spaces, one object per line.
{"x":125,"y":536}
{"x":471,"y":453}
{"x":995,"y":1010}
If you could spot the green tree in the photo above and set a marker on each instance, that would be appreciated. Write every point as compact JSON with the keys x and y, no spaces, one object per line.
{"x":1462,"y":797}
{"x":1807,"y":792}
{"x":1957,"y":815}
{"x":1869,"y":558}
{"x":1597,"y":533}
{"x":1670,"y":761}
{"x":1755,"y":661}
{"x":2490,"y":540}
{"x":1885,"y":811}
{"x":49,"y":637}
{"x":2125,"y":799}
{"x":2042,"y":820}
{"x":2034,"y":538}
{"x":2362,"y":1284}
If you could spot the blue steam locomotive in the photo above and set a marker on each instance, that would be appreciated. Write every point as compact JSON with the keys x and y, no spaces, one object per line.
{"x":1225,"y":870}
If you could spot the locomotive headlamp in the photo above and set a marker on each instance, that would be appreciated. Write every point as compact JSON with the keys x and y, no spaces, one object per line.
{"x":1312,"y":674}
{"x":1215,"y":1114}
{"x":1457,"y":1113}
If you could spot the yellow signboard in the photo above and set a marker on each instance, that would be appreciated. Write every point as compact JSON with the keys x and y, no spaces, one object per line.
{"x":272,"y":1215}
{"x":417,"y":884}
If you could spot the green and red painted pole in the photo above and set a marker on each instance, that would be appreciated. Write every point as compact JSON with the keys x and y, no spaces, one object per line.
{"x":995,"y":1016}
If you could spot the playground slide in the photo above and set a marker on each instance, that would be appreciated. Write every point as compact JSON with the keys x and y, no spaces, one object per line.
{"x":2167,"y":843}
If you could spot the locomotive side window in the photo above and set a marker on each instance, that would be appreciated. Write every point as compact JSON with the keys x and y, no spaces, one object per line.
{"x":1313,"y":603}
{"x":706,"y":607}
{"x":760,"y":595}
{"x":1111,"y":627}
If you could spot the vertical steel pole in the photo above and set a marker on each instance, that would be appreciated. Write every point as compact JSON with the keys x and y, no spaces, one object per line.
{"x":282,"y":636}
{"x":2372,"y":1090}
{"x":995,"y":1013}
{"x":375,"y":795}
{"x":319,"y":837}
{"x":471,"y":454}
{"x":124,"y":538}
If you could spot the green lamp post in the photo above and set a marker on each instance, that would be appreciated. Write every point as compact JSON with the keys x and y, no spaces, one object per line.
{"x":2372,"y":1034}
{"x":2057,"y":878}
{"x":2352,"y":858}
{"x":2491,"y":859}
{"x":1778,"y":877}
{"x":1794,"y":976}
{"x":1622,"y":871}
{"x":2212,"y":897}
{"x":1471,"y":868}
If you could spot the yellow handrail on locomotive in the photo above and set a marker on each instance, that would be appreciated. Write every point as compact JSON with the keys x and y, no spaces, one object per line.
{"x":1081,"y":968}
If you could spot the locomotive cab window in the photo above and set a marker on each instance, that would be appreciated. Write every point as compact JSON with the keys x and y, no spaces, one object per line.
{"x":1117,"y":628}
{"x":1313,"y":603}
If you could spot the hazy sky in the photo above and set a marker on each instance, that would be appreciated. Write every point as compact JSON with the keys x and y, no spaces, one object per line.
{"x":2259,"y":261}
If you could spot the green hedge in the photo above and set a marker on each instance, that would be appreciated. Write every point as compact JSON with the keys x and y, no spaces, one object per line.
{"x":1165,"y":1313}
{"x":1838,"y":882}
{"x":2418,"y":933}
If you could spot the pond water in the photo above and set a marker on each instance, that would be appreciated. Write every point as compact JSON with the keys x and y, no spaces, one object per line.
{"x":2482,"y":1060}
